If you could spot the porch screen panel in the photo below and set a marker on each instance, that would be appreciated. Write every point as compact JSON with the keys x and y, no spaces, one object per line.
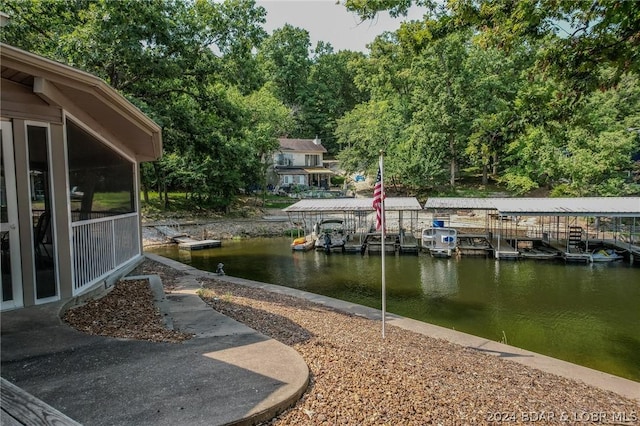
{"x":101,"y":181}
{"x":105,"y":223}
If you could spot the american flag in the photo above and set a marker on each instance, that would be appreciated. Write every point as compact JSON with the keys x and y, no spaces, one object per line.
{"x":377,"y":198}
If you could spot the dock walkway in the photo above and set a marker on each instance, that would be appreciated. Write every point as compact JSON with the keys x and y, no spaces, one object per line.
{"x":185,"y":241}
{"x":503,"y":250}
{"x":409,"y":244}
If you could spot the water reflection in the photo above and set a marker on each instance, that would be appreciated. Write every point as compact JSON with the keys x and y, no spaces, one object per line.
{"x":587,"y":314}
{"x":439,"y":277}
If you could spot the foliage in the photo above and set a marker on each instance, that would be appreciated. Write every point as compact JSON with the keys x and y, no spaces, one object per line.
{"x":179,"y":63}
{"x":337,"y":180}
{"x":330,"y":93}
{"x":515,"y":97}
{"x":531,"y":94}
{"x":578,"y":37}
{"x":284,"y":58}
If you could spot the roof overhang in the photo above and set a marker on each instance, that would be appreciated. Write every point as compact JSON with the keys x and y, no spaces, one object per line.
{"x":459,"y":203}
{"x":65,"y":86}
{"x":289,"y":171}
{"x":319,"y":171}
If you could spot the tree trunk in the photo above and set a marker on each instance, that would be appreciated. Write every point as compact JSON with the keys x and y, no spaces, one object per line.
{"x":495,"y":164}
{"x":452,"y":151}
{"x":166,"y":194}
{"x":485,"y":172}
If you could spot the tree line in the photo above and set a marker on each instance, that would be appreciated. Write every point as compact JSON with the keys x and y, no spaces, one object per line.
{"x":529,"y":94}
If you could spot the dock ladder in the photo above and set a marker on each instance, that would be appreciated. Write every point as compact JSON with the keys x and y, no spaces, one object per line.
{"x":574,"y":239}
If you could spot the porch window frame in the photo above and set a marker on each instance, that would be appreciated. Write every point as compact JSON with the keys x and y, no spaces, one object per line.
{"x":74,"y":226}
{"x":52,"y":200}
{"x":17,"y":300}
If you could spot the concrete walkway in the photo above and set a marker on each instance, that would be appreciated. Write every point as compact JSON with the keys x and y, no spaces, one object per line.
{"x":227,"y":374}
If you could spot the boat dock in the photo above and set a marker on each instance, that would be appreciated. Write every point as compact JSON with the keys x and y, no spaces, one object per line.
{"x":408,"y":244}
{"x":173,"y":233}
{"x":536,"y":249}
{"x":374,"y":244}
{"x":355,"y":243}
{"x":358,"y":218}
{"x":473,"y":245}
{"x":188,"y":243}
{"x":544,"y":228}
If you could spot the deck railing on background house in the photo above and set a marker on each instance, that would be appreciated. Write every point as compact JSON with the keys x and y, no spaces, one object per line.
{"x":102,"y":245}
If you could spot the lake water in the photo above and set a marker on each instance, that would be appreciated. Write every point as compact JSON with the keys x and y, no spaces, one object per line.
{"x":588,"y":314}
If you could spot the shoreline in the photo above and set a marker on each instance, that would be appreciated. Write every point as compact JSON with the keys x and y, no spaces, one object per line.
{"x":606,"y":381}
{"x":413,"y":376}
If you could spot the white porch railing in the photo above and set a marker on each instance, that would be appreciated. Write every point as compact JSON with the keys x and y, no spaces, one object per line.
{"x":101,"y":246}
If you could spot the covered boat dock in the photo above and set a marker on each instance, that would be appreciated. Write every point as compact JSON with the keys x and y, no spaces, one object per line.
{"x":530,"y":227}
{"x":358,"y":216}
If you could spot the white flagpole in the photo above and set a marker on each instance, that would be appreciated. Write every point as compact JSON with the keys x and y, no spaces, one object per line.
{"x":382,"y":235}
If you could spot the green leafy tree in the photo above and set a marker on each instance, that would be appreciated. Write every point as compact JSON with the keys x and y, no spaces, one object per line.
{"x":366,"y":130}
{"x":331,"y":92}
{"x":496,"y":79}
{"x":578,"y":38}
{"x":587,"y":153}
{"x":442,"y":98}
{"x":284,"y":58}
{"x":266,"y":119}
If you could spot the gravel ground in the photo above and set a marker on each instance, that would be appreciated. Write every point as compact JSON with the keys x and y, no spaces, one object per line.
{"x":127,"y":312}
{"x":406,"y":379}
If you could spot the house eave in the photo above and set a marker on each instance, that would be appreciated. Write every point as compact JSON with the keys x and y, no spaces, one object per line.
{"x":55,"y":83}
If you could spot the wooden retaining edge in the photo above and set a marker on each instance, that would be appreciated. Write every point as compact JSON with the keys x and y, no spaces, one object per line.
{"x":21,"y":408}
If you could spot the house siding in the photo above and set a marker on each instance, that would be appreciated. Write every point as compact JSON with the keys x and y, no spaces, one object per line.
{"x":19,"y":102}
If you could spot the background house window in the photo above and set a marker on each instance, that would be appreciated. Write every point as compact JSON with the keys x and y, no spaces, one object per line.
{"x":101,"y":181}
{"x":311,"y":160}
{"x":285,"y":160}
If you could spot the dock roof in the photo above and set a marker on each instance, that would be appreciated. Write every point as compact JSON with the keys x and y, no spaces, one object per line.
{"x":460,"y":203}
{"x":586,"y":206}
{"x":353,"y":204}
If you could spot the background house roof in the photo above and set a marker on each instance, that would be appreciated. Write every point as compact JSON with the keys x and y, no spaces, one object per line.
{"x":62,"y":85}
{"x":301,"y":145}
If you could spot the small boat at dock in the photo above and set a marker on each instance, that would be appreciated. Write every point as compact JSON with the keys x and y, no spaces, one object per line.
{"x":302,"y":244}
{"x":605,"y":255}
{"x":329,"y":235}
{"x":537,"y":249}
{"x":439,"y":241}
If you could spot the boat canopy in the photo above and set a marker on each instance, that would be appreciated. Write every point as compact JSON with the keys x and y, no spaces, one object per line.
{"x":585,"y":206}
{"x":353,"y":205}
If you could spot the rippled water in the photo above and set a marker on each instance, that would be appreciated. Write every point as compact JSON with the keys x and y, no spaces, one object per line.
{"x":586,"y":314}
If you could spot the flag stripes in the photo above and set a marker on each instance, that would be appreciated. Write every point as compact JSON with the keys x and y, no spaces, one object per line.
{"x":377,"y":199}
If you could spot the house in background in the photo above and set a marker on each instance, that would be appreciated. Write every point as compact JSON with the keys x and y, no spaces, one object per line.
{"x":300,"y":162}
{"x":69,"y":181}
